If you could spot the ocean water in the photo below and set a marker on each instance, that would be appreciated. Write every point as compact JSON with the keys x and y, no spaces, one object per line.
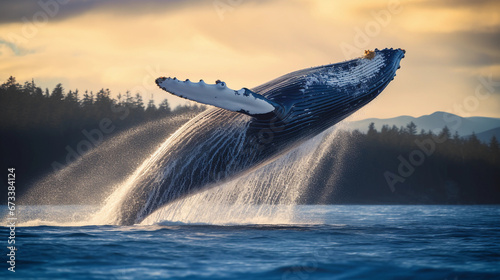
{"x":318,"y":242}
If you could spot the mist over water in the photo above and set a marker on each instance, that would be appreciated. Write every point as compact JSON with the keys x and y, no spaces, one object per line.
{"x":88,"y":178}
{"x":267,"y":195}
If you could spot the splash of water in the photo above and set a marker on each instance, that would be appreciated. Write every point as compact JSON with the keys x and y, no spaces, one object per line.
{"x":266,"y":196}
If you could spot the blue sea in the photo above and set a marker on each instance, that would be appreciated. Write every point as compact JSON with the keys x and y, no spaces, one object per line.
{"x":325,"y":242}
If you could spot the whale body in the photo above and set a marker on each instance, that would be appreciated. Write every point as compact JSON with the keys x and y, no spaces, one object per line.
{"x":249,"y":128}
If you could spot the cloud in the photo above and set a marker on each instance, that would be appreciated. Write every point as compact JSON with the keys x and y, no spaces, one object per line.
{"x":12,"y":48}
{"x":6,"y":50}
{"x":458,"y":3}
{"x":22,"y":10}
{"x":473,"y":48}
{"x":451,"y":15}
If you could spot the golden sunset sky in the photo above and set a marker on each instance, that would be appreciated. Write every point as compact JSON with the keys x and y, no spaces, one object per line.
{"x":452,"y":61}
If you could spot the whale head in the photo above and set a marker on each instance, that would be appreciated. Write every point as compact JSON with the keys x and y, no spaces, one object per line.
{"x":317,"y":98}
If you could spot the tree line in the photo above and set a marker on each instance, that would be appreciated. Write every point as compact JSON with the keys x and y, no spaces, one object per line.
{"x":32,"y":107}
{"x":400,"y":165}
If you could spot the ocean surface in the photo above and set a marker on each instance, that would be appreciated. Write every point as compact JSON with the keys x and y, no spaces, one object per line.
{"x":320,"y":242}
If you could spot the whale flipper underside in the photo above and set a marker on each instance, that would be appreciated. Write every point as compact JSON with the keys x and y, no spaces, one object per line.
{"x":242,"y":101}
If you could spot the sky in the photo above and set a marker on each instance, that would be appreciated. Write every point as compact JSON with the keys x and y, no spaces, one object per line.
{"x":452,"y":58}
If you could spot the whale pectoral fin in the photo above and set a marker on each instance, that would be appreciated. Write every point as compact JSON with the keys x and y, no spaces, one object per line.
{"x":242,"y":101}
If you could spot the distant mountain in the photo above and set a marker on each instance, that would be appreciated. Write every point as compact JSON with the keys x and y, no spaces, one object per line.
{"x":435,"y":122}
{"x":485,"y":136}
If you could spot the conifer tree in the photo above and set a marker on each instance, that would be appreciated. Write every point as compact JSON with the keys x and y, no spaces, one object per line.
{"x":138,"y":103}
{"x":372,"y":132}
{"x":57,"y":93}
{"x":165,"y":107}
{"x":411,"y":128}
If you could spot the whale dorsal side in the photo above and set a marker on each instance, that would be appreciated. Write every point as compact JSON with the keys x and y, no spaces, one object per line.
{"x":242,"y":101}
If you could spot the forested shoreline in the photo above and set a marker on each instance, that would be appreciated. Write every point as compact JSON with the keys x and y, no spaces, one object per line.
{"x":43,"y":131}
{"x":403,"y":166}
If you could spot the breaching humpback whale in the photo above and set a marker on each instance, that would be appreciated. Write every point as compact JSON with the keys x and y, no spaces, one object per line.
{"x":251,"y":127}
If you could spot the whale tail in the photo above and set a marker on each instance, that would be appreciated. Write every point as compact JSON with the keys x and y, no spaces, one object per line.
{"x":242,"y":101}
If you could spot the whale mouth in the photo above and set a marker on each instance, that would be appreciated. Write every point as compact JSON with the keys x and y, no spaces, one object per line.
{"x":387,"y":73}
{"x":394,"y":61}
